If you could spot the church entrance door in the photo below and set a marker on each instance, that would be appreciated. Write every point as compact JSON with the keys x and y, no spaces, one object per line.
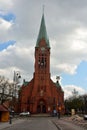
{"x":41,"y":108}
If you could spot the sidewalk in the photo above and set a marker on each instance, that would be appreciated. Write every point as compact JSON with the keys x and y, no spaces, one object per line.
{"x":4,"y":125}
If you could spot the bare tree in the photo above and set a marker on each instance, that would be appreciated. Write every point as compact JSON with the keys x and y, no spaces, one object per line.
{"x":74,"y":93}
{"x":6,"y":89}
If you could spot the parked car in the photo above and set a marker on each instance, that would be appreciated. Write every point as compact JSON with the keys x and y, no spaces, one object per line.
{"x":24,"y":114}
{"x":85,"y":117}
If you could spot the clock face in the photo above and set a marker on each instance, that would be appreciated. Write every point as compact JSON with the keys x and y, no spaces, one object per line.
{"x":42,"y":49}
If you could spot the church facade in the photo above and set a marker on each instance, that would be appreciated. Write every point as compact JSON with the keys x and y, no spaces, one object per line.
{"x":41,"y":94}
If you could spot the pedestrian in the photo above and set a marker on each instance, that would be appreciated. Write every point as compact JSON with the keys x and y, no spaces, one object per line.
{"x":10,"y":119}
{"x":58,"y":114}
{"x":54,"y":112}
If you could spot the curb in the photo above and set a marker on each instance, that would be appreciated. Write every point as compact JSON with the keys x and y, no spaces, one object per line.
{"x":58,"y":127}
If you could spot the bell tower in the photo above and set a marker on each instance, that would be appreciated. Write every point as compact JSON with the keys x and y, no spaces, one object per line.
{"x":42,"y":58}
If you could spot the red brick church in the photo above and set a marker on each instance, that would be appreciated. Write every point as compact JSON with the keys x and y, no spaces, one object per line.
{"x":41,"y":94}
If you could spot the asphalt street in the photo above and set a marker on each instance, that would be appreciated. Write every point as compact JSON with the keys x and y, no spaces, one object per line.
{"x":34,"y":124}
{"x":42,"y":123}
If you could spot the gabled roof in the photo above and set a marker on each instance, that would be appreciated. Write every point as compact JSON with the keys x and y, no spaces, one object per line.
{"x":58,"y":85}
{"x":2,"y":108}
{"x":42,"y":33}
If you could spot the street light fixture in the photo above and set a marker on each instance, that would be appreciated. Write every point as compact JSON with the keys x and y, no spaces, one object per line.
{"x":16,"y":78}
{"x":14,"y":92}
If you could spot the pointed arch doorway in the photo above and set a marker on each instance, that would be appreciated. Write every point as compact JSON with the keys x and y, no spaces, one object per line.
{"x":41,"y":107}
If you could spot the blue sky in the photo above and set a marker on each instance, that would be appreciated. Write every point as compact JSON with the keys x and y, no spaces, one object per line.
{"x":8,"y":16}
{"x":66,"y":23}
{"x":79,"y":79}
{"x":5,"y":45}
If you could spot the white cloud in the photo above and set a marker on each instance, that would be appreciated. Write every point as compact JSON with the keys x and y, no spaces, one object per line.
{"x":78,"y":39}
{"x":68,"y":89}
{"x":5,"y":25}
{"x":6,"y":4}
{"x":17,"y":58}
{"x":67,"y":68}
{"x":5,"y":28}
{"x":66,"y":23}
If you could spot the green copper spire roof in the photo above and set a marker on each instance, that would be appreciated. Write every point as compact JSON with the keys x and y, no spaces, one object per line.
{"x":42,"y":33}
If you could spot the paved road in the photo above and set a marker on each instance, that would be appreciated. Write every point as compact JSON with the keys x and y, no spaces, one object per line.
{"x":34,"y":124}
{"x":42,"y":123}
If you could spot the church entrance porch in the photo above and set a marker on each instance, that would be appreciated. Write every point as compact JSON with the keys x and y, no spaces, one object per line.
{"x":41,"y":107}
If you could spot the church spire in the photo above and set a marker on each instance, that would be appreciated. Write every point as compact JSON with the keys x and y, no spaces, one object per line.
{"x":42,"y":32}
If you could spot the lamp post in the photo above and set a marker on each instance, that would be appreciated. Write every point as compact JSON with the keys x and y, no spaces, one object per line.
{"x":16,"y":78}
{"x":58,"y":104}
{"x":85,"y":103}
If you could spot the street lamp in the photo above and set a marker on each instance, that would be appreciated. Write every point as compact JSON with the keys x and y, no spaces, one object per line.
{"x":16,"y":78}
{"x":14,"y":92}
{"x":85,"y":103}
